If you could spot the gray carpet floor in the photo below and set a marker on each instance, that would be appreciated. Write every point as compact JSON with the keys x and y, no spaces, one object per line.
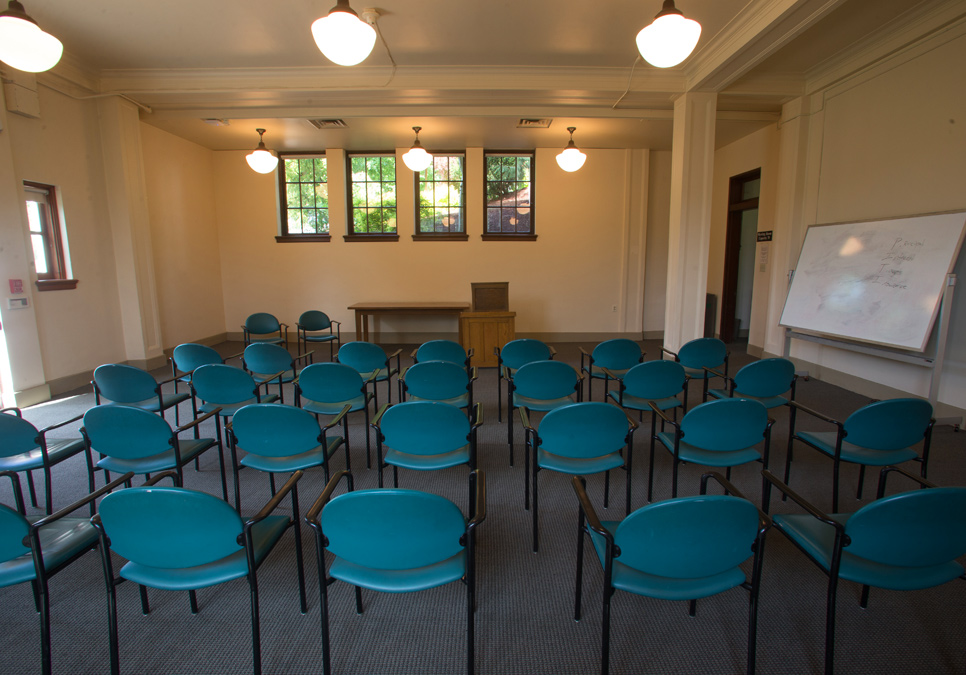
{"x":525,"y":600}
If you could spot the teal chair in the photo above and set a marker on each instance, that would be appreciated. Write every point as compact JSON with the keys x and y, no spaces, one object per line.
{"x":187,"y":357}
{"x":140,"y":442}
{"x":679,"y":549}
{"x":442,"y":381}
{"x":327,"y":388}
{"x":578,"y":439}
{"x":611,"y":359}
{"x":175,"y":539}
{"x":771,"y":382}
{"x":281,"y":439}
{"x":424,"y":436}
{"x":24,"y":448}
{"x":120,"y":384}
{"x":316,"y":327}
{"x":36,"y":551}
{"x":720,"y":434}
{"x":224,"y":389}
{"x":703,"y":359}
{"x":540,"y":386}
{"x":272,"y":363}
{"x":906,"y":541}
{"x":371,"y":361}
{"x":514,"y":355}
{"x":443,"y":350}
{"x":396,"y":541}
{"x":264,"y":327}
{"x":660,"y":382}
{"x":879,"y":434}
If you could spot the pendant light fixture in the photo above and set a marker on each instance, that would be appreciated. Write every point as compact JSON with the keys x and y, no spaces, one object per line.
{"x":23,"y":45}
{"x":261,"y":160}
{"x":417,"y":158}
{"x":669,"y":39}
{"x":571,"y":158}
{"x":342,"y":36}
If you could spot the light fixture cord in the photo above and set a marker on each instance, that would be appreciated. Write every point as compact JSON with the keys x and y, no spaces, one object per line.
{"x":629,"y":78}
{"x":388,"y":52}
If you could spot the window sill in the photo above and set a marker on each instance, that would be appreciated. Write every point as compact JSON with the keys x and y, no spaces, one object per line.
{"x":56,"y":284}
{"x":290,"y":238}
{"x":509,"y":237}
{"x":441,"y":236}
{"x":371,"y":237}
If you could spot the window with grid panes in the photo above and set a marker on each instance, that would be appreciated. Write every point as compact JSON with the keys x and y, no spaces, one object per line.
{"x":305,"y":196}
{"x":508,"y":185}
{"x":372,"y":194}
{"x":43,"y":221}
{"x":441,"y":199}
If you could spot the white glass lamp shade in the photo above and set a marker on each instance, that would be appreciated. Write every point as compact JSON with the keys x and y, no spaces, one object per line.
{"x":417,"y":159}
{"x":343,"y":37}
{"x":571,"y":158}
{"x":262,"y":161}
{"x":24,"y":46}
{"x":668,"y":40}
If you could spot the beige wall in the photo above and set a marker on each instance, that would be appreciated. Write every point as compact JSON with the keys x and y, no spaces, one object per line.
{"x":655,"y":267}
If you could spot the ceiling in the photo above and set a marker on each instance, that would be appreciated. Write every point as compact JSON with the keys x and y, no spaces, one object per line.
{"x":465,"y":70}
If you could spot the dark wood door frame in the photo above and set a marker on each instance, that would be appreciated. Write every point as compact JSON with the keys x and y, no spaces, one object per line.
{"x":729,"y":285}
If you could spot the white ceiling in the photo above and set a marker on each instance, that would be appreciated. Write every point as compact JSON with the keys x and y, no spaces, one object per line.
{"x":466,"y":70}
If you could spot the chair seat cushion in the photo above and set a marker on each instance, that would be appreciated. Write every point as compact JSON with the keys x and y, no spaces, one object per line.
{"x":57,"y":450}
{"x":334,"y":407}
{"x":381,"y":374}
{"x":261,"y":378}
{"x":635,"y":403}
{"x":540,"y":404}
{"x":318,"y":338}
{"x":597,"y":371}
{"x":304,"y":460}
{"x":578,"y":466}
{"x":265,"y":340}
{"x":817,"y":539}
{"x":767,"y":401}
{"x":229,"y":409}
{"x":695,"y":455}
{"x":443,"y":460}
{"x":632,"y":580}
{"x":265,"y":534}
{"x":152,"y":403}
{"x":60,"y":541}
{"x":190,"y":448}
{"x":824,"y":441}
{"x":457,"y":401}
{"x":400,"y":581}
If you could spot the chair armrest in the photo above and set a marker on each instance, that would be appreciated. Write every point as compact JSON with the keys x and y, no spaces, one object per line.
{"x":593,"y":522}
{"x":304,"y":356}
{"x":609,"y":373}
{"x":234,"y":356}
{"x":801,"y":501}
{"x":394,"y":355}
{"x":525,"y":418}
{"x":889,"y":469}
{"x":474,"y":374}
{"x":378,"y":418}
{"x":283,"y":325}
{"x":716,"y":373}
{"x":59,"y":424}
{"x":273,"y":503}
{"x":312,"y":516}
{"x":815,"y":413}
{"x":193,"y":423}
{"x":479,"y":513}
{"x":478,"y":421}
{"x":337,"y":323}
{"x":553,"y":351}
{"x":338,"y":418}
{"x":470,"y":353}
{"x":663,"y":415}
{"x":67,"y":510}
{"x":728,"y":486}
{"x":583,"y":352}
{"x":158,"y":477}
{"x":412,"y":354}
{"x":14,"y":409}
{"x":274,"y":376}
{"x":167,"y":381}
{"x":633,"y":422}
{"x":665,"y":350}
{"x":17,"y":494}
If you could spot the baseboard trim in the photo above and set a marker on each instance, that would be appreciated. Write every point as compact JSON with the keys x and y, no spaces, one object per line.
{"x":33,"y":395}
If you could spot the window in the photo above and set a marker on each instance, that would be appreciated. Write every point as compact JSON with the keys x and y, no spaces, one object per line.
{"x":45,"y":237}
{"x":304,"y":198}
{"x":441,"y":199}
{"x":372,"y":196}
{"x":509,"y":199}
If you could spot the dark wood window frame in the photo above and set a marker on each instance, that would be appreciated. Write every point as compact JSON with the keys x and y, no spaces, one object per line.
{"x":441,"y":236}
{"x":729,"y":286}
{"x":55,"y":278}
{"x":285,"y":236}
{"x":510,"y":236}
{"x":351,"y":234}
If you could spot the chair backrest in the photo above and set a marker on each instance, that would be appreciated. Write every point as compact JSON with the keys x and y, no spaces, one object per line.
{"x":441,"y":350}
{"x":726,"y":424}
{"x":314,"y":320}
{"x":330,"y":382}
{"x":619,"y":354}
{"x":581,"y":430}
{"x":17,"y":435}
{"x":124,"y":384}
{"x":911,"y":529}
{"x":889,"y":425}
{"x":169,"y":528}
{"x":764,"y":378}
{"x":655,"y":380}
{"x":13,"y":529}
{"x":436,"y":380}
{"x":392,"y":529}
{"x":267,"y":359}
{"x":221,"y":384}
{"x":127,"y":433}
{"x":261,"y":323}
{"x":274,"y":430}
{"x":190,"y":355}
{"x":545,"y":380}
{"x":689,"y":537}
{"x":703,"y":353}
{"x":424,"y":427}
{"x":365,"y":357}
{"x":517,"y":353}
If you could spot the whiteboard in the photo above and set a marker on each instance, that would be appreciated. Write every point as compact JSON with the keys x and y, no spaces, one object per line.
{"x":874,"y":281}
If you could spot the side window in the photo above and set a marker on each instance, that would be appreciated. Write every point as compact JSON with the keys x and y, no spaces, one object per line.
{"x":304,"y":197}
{"x":441,"y":199}
{"x":508,"y":184}
{"x":372,"y":196}
{"x":46,"y":240}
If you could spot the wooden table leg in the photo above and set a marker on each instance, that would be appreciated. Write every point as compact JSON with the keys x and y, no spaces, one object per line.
{"x":359,"y":316}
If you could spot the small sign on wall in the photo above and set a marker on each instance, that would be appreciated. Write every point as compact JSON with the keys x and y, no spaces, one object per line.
{"x":16,"y":286}
{"x":764,"y":235}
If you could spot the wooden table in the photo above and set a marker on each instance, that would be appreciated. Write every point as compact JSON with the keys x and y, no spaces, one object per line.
{"x":364,"y":310}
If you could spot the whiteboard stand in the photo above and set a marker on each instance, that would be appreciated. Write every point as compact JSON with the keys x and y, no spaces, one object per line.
{"x":932,"y":361}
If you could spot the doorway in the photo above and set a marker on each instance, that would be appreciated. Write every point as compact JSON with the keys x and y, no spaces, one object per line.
{"x":739,"y":264}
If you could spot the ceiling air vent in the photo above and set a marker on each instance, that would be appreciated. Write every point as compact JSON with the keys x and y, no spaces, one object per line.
{"x":528,"y":123}
{"x":328,"y":124}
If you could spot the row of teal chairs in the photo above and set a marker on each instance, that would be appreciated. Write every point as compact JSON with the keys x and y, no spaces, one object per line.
{"x":313,"y":327}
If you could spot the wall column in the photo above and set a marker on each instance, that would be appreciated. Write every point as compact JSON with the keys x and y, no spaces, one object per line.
{"x":131,"y":230}
{"x":692,"y":171}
